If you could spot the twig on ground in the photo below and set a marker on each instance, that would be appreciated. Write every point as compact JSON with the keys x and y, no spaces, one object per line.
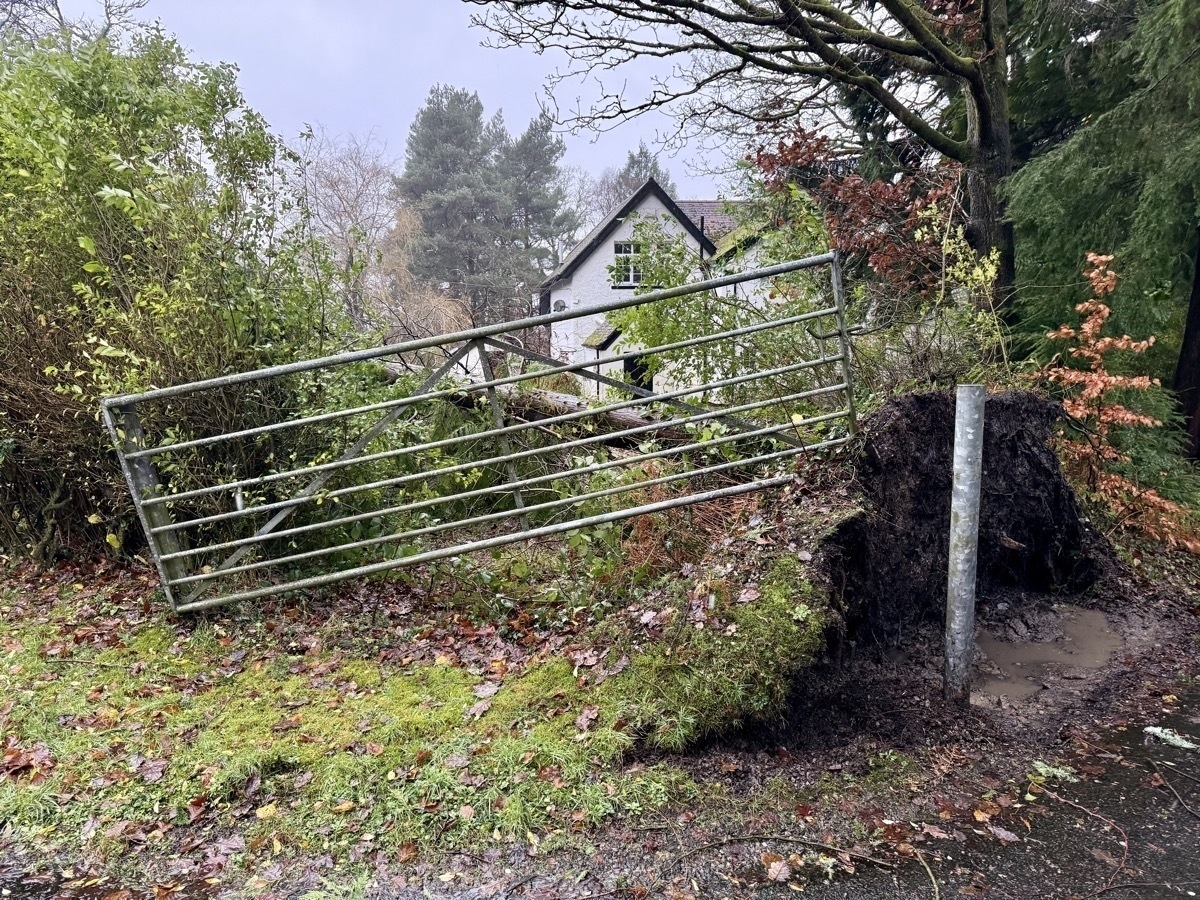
{"x":1178,"y":771}
{"x":63,"y":660}
{"x":937,"y":892}
{"x":1107,"y":821}
{"x":783,"y":838}
{"x":508,"y":891}
{"x":1132,"y":885}
{"x":1171,"y":788}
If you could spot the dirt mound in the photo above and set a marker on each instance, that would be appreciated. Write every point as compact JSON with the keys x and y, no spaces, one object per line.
{"x":889,"y":562}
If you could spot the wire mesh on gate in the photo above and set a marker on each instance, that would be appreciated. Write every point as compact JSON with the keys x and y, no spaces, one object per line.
{"x":366,"y":462}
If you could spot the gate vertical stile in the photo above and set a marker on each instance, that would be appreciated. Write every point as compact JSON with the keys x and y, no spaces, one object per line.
{"x":142,"y":479}
{"x":839,"y":300}
{"x":485,"y":365}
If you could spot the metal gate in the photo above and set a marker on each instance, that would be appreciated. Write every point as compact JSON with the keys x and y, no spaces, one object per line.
{"x":467,"y":448}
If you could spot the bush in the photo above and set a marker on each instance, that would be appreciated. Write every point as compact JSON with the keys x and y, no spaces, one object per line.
{"x":1123,"y":443}
{"x":148,"y":236}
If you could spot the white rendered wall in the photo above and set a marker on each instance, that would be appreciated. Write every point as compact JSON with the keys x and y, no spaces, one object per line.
{"x":591,"y":285}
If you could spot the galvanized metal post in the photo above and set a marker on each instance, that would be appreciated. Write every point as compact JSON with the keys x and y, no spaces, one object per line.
{"x":964,"y":542}
{"x":142,"y":479}
{"x":839,"y":299}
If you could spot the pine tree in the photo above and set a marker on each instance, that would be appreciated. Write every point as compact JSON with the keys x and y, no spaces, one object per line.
{"x":450,"y":179}
{"x":491,"y":211}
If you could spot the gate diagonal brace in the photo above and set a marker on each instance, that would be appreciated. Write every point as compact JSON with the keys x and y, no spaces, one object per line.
{"x":352,"y":451}
{"x":732,"y":421}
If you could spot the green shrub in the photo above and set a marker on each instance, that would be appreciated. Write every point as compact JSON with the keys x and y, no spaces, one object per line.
{"x":148,"y":236}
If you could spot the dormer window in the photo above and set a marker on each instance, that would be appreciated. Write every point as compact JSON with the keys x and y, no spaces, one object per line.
{"x":625,"y":273}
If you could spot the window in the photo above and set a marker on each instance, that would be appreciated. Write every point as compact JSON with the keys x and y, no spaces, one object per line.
{"x":625,"y":273}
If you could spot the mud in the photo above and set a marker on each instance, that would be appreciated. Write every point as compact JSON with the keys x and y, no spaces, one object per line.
{"x":1019,"y":669}
{"x":889,"y":562}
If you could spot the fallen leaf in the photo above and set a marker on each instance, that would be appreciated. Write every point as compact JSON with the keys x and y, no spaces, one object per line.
{"x":587,"y":717}
{"x":266,"y":812}
{"x":153,"y":771}
{"x":779,"y":871}
{"x":344,"y":807}
{"x":485,"y":689}
{"x":195,"y":809}
{"x":1005,"y":836}
{"x":477,"y":710}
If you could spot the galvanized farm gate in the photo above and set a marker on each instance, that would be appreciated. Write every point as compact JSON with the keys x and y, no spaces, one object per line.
{"x":325,"y":493}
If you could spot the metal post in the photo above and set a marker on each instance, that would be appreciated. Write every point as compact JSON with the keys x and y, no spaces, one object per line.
{"x":964,"y":542}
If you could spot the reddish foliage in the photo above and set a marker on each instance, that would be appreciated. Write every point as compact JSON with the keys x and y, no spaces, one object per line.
{"x":1091,"y":403}
{"x":879,"y":221}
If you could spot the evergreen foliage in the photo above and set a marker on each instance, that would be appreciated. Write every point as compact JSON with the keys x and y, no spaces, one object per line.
{"x":491,"y":206}
{"x":1127,"y":182}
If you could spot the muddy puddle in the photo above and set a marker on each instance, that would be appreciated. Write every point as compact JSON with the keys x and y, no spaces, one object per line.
{"x":1019,"y":669}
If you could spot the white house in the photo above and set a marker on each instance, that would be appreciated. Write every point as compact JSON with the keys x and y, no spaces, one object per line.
{"x":584,"y":279}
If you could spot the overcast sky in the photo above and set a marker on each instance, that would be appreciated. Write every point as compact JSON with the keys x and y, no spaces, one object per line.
{"x":367,"y":65}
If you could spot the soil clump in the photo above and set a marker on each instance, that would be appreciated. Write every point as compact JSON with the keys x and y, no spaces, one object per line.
{"x":888,"y":563}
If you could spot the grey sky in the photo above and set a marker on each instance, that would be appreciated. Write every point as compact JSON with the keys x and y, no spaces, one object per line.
{"x":366,"y":65}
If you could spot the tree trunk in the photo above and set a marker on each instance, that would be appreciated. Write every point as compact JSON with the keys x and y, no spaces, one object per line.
{"x":1187,"y":372}
{"x":989,"y":136}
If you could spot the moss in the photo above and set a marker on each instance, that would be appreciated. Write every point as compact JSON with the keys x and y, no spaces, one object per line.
{"x":708,"y":680}
{"x":321,"y":750}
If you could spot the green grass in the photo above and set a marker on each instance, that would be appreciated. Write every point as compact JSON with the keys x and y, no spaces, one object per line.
{"x":231,"y":722}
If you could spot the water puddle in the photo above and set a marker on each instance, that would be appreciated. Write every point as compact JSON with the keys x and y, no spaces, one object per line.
{"x":1087,"y":643}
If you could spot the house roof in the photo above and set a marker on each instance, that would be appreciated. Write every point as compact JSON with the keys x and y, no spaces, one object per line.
{"x":713,"y":217}
{"x":602,"y":337}
{"x":598,"y":235}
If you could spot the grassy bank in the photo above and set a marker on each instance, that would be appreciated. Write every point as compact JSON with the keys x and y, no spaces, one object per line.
{"x":381,"y":719}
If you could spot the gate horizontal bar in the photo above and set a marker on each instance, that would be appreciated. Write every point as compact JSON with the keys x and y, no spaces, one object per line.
{"x":502,"y":540}
{"x":573,"y":500}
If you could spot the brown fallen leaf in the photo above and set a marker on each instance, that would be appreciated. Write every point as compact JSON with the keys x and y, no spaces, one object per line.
{"x":485,"y":689}
{"x":587,"y":717}
{"x":195,"y":808}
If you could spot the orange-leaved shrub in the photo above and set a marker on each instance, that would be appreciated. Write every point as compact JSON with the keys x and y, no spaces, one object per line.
{"x":1095,"y":399}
